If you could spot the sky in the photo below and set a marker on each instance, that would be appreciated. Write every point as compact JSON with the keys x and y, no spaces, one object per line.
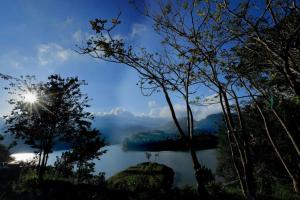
{"x":40,"y":37}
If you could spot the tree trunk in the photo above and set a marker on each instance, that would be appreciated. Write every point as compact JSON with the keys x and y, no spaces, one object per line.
{"x":199,"y":176}
{"x":245,"y":180}
{"x":249,"y":179}
{"x":42,"y":168}
{"x":294,"y":178}
{"x":288,"y":133}
{"x":39,"y":162}
{"x":197,"y":167}
{"x":296,"y":184}
{"x":292,"y":78}
{"x":233,"y":157}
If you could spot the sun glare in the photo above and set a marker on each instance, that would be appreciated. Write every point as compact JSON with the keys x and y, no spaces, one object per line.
{"x":30,"y":97}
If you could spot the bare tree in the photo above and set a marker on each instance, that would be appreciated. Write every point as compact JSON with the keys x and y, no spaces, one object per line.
{"x":194,"y":31}
{"x":158,"y":72}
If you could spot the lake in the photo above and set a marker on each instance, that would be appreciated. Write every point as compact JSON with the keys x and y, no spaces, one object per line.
{"x":116,"y":160}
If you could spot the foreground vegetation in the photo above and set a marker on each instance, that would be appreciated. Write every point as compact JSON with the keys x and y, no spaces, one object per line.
{"x":146,"y":181}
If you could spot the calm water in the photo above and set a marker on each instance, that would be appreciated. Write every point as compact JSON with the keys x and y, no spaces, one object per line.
{"x":116,"y":160}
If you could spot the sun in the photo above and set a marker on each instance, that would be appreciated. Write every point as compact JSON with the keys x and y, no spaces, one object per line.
{"x":30,"y":97}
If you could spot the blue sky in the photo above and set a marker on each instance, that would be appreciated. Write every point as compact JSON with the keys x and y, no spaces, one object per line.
{"x":39,"y":38}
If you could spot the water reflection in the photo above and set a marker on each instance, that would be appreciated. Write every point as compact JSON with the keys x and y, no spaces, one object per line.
{"x":22,"y":157}
{"x":116,"y":160}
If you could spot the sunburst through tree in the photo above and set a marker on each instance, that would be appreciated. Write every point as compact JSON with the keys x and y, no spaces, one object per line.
{"x":30,"y":97}
{"x":50,"y":113}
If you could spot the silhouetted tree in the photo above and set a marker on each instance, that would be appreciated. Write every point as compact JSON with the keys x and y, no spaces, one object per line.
{"x":56,"y":114}
{"x":63,"y":166}
{"x":85,"y":147}
{"x":4,"y":154}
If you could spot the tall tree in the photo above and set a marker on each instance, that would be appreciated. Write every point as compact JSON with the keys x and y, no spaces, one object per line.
{"x":46,"y":113}
{"x":268,"y":48}
{"x":159,"y":72}
{"x":194,"y":31}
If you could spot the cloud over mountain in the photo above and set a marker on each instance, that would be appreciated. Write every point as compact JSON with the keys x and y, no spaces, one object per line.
{"x":118,"y":123}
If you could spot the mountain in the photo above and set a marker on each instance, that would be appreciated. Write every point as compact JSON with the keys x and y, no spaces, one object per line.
{"x":115,"y":127}
{"x":167,"y":137}
{"x":210,"y":124}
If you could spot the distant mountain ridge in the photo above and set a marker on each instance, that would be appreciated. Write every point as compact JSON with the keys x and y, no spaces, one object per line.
{"x":210,"y":124}
{"x":167,"y":137}
{"x":116,"y":127}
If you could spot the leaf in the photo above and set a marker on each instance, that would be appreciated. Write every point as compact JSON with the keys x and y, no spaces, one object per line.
{"x":185,"y":5}
{"x":167,"y":9}
{"x":200,"y":13}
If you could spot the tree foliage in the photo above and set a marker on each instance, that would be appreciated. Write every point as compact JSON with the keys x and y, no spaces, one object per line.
{"x":4,"y":154}
{"x":57,"y":116}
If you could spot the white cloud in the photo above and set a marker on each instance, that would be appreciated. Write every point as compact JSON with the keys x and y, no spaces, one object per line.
{"x":200,"y":112}
{"x":164,"y":112}
{"x":204,"y":111}
{"x":52,"y":53}
{"x":155,"y":111}
{"x":69,"y":20}
{"x":15,"y":60}
{"x":15,"y":64}
{"x":152,"y":104}
{"x":138,"y":29}
{"x":208,"y":105}
{"x":78,"y":36}
{"x":118,"y":111}
{"x":214,"y":98}
{"x":118,"y":37}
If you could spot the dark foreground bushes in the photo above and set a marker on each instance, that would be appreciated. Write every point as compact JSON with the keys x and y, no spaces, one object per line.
{"x":145,"y":181}
{"x":66,"y":190}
